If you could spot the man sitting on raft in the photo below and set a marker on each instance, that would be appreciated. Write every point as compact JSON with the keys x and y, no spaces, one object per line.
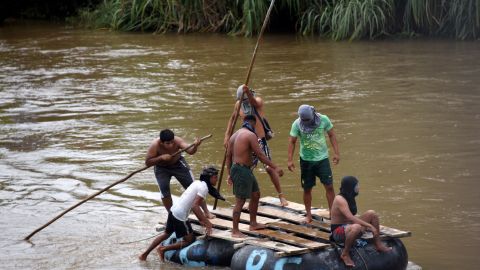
{"x":191,"y":199}
{"x":346,"y":227}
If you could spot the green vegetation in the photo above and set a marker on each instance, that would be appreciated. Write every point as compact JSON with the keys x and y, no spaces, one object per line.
{"x":336,"y":19}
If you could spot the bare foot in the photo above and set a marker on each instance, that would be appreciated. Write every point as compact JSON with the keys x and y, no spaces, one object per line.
{"x":283,"y":201}
{"x":143,"y":257}
{"x":238,"y":235}
{"x":383,"y":248}
{"x":257,"y":226}
{"x":347,"y":260}
{"x":210,"y":215}
{"x":308,"y":220}
{"x":161,"y":252}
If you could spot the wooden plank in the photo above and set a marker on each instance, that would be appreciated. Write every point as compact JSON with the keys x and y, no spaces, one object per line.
{"x":227,"y":213}
{"x":294,"y":240}
{"x":275,"y":235}
{"x":299,"y":229}
{"x":321,"y":213}
{"x":289,"y":216}
{"x":216,"y":233}
{"x":276,"y":201}
{"x":274,"y":212}
{"x":297,"y":207}
{"x":285,"y":249}
{"x":392,"y":232}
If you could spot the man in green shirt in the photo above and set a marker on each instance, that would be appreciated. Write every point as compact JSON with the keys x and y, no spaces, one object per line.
{"x":311,"y":127}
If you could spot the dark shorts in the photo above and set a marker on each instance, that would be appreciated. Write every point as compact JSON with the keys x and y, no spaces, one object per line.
{"x":181,"y":228}
{"x":338,"y":232}
{"x":312,"y":169}
{"x":244,"y":182}
{"x":180,"y":170}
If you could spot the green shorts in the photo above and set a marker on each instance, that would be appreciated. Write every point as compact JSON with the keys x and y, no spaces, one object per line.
{"x":244,"y":182}
{"x":312,"y":169}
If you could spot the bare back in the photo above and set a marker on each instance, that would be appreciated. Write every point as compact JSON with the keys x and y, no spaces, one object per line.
{"x":243,"y":142}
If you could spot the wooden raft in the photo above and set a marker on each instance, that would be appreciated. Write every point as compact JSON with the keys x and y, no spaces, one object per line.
{"x":285,"y":231}
{"x":324,"y":214}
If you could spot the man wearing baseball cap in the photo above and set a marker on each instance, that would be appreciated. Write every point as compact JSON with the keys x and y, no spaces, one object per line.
{"x":311,"y":127}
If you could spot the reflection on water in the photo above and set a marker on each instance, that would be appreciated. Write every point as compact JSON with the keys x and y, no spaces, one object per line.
{"x":79,"y":108}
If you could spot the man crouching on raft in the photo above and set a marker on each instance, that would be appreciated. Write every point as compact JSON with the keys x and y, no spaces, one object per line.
{"x":191,"y":199}
{"x":239,"y":152}
{"x":346,"y":227}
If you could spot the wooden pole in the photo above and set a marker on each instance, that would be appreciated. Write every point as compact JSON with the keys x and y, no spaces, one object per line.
{"x":249,"y":72}
{"x":105,"y":189}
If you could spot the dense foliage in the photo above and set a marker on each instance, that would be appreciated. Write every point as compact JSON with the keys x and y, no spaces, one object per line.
{"x":337,"y":19}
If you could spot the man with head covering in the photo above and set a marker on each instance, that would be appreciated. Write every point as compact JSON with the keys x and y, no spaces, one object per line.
{"x":253,"y":105}
{"x":159,"y":155}
{"x":239,"y":174}
{"x":311,"y":127}
{"x":191,"y":200}
{"x":346,"y":227}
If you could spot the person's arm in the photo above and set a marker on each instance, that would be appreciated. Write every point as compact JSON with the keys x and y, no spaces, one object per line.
{"x":254,"y":101}
{"x":291,"y":150}
{"x":228,"y":160}
{"x":152,"y":155}
{"x":343,"y":208}
{"x":333,"y":141}
{"x":196,"y":208}
{"x":252,"y":139}
{"x":229,"y":125}
{"x":182,"y":144}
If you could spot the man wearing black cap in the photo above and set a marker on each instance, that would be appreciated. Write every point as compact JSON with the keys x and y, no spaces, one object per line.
{"x":253,"y":105}
{"x":160,"y":153}
{"x":346,"y":227}
{"x":311,"y":127}
{"x":239,"y":162}
{"x":191,"y":200}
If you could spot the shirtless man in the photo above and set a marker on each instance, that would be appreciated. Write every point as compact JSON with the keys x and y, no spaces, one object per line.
{"x":346,"y":227}
{"x":250,"y":103}
{"x":160,"y":154}
{"x":239,"y":161}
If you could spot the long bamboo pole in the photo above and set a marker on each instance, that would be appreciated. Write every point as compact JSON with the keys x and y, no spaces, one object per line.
{"x":105,"y":189}
{"x":249,"y":72}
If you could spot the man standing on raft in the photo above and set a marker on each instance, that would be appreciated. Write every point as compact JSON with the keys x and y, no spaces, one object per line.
{"x":311,"y":127}
{"x":160,"y":153}
{"x":239,"y":162}
{"x":253,"y":105}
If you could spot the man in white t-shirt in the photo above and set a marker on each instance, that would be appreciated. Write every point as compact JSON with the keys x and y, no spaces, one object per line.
{"x":177,"y":221}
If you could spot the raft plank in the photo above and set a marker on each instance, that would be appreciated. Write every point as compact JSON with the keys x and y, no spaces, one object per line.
{"x":298,"y":207}
{"x":275,"y":235}
{"x":321,"y":212}
{"x":216,"y":233}
{"x":299,"y":229}
{"x":289,"y":216}
{"x":276,"y":201}
{"x":285,"y":249}
{"x":291,"y":239}
{"x":392,"y":232}
{"x":227,"y":213}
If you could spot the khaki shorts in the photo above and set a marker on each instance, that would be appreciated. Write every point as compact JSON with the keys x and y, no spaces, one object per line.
{"x":244,"y":182}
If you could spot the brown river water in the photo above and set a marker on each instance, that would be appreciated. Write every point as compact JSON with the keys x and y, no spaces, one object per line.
{"x":78,"y":109}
